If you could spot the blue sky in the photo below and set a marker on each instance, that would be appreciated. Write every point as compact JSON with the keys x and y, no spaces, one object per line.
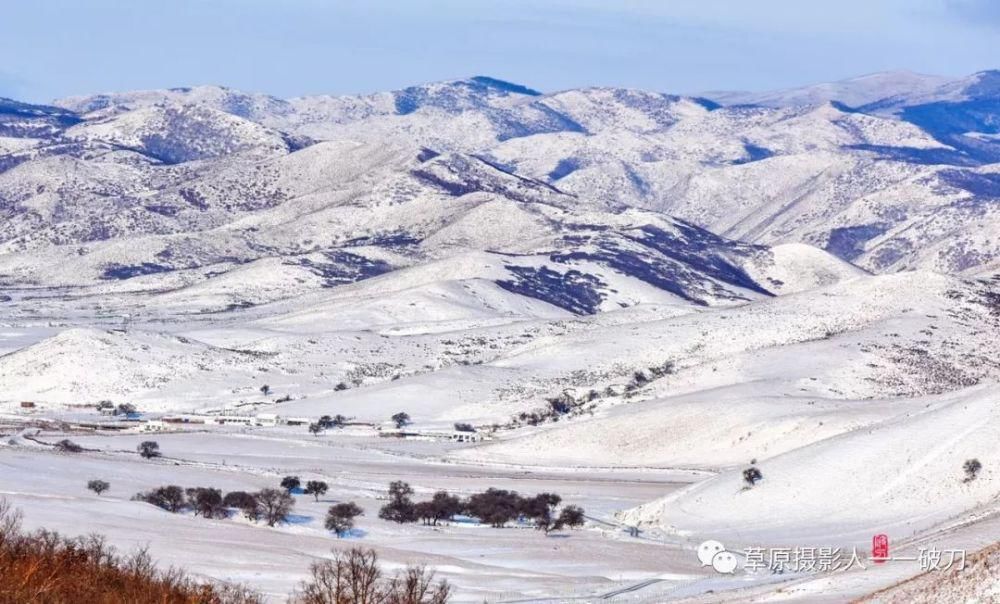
{"x":54,"y":48}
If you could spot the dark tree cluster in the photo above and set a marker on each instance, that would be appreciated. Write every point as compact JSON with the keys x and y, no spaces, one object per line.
{"x":495,"y":507}
{"x":327,"y":422}
{"x":270,"y":505}
{"x":568,"y":404}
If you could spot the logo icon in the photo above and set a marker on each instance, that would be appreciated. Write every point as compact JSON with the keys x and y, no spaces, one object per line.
{"x":880,"y":548}
{"x":713,"y":553}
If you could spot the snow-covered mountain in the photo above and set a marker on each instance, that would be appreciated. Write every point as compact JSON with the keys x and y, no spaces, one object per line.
{"x":595,"y":278}
{"x":890,"y":171}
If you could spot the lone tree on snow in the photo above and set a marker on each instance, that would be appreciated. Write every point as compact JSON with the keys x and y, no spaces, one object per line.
{"x":149,"y":449}
{"x":290,"y":483}
{"x":972,"y":468}
{"x":265,"y":390}
{"x":340,"y":517}
{"x":401,"y":419}
{"x":751,"y":475}
{"x":98,"y":486}
{"x":316,"y":488}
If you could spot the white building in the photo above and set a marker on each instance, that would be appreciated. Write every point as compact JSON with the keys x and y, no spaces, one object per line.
{"x":268,"y":419}
{"x":234,"y":420}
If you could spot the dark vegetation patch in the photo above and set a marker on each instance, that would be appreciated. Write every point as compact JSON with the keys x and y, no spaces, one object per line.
{"x":121,"y":271}
{"x":848,"y":242}
{"x":577,"y":292}
{"x":339,"y":267}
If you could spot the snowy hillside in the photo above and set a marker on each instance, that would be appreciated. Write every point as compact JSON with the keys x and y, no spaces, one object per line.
{"x":629,"y":296}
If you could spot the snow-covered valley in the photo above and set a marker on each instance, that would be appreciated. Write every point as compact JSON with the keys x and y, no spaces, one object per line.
{"x":623,"y":297}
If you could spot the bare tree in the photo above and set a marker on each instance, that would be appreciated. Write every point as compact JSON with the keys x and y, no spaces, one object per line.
{"x":149,"y":449}
{"x":170,"y":498}
{"x":751,"y":476}
{"x":571,"y":516}
{"x":275,"y":505}
{"x":245,"y":502}
{"x":340,"y":517}
{"x":401,"y":419}
{"x":316,"y":488}
{"x":207,"y":502}
{"x":355,"y":577}
{"x":400,"y":507}
{"x":972,"y":468}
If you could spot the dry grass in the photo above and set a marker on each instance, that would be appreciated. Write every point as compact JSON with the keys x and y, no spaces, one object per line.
{"x":978,"y":583}
{"x":45,"y":568}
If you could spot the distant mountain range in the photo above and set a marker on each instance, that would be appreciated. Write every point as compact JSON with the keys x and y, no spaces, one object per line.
{"x":889,"y":172}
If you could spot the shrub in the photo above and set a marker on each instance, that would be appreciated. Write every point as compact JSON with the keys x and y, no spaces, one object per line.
{"x":68,"y":446}
{"x":340,"y":517}
{"x":401,"y":419}
{"x":125,"y":409}
{"x":265,"y":390}
{"x":751,"y":475}
{"x":463,"y":427}
{"x":149,"y":449}
{"x":316,"y":488}
{"x":354,"y":576}
{"x":972,"y":468}
{"x":98,"y":486}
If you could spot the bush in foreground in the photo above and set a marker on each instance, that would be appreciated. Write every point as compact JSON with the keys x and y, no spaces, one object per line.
{"x":45,"y":567}
{"x":354,"y":576}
